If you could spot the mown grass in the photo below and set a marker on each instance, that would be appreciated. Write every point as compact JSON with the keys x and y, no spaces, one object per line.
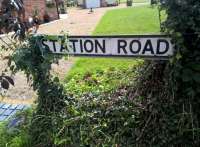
{"x":134,"y":20}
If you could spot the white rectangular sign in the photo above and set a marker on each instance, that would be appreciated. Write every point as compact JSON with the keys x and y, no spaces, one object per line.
{"x":149,"y":46}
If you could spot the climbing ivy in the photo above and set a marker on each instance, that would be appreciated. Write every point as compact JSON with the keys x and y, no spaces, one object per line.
{"x":183,"y":24}
{"x":51,"y":101}
{"x":170,"y":90}
{"x":160,"y":109}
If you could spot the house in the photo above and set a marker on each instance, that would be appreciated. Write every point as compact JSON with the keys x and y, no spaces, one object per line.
{"x":96,"y":3}
{"x":42,"y":8}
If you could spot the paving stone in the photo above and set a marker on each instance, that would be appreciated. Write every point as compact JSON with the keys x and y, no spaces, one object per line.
{"x":7,"y":112}
{"x":1,"y":104}
{"x":1,"y":110}
{"x":13,"y":107}
{"x":3,"y":117}
{"x":6,"y":106}
{"x":14,"y":112}
{"x":20,"y":107}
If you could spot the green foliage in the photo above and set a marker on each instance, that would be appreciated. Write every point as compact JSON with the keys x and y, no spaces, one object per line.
{"x":101,"y":80}
{"x":16,"y":136}
{"x":171,"y":89}
{"x":36,"y":64}
{"x":186,"y":36}
{"x":6,"y":81}
{"x":106,"y":110}
{"x":159,"y":108}
{"x":85,"y":65}
{"x":185,"y":65}
{"x":98,"y":121}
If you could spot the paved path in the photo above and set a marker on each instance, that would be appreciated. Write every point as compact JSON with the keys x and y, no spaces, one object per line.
{"x":79,"y":22}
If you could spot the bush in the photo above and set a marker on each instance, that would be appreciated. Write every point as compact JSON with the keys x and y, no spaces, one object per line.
{"x":99,"y":81}
{"x":98,"y":121}
{"x":17,"y":135}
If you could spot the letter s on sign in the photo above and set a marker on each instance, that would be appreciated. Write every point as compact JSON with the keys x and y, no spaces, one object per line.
{"x":45,"y":45}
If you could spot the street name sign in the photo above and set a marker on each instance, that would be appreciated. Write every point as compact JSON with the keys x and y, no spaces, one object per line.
{"x":143,"y":46}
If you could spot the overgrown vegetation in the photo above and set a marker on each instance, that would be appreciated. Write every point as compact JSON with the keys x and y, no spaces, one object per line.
{"x":97,"y":76}
{"x":46,"y":119}
{"x":171,"y":89}
{"x":157,"y":106}
{"x":14,"y":133}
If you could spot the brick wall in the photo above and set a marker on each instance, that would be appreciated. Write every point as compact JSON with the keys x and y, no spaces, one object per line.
{"x":40,"y":6}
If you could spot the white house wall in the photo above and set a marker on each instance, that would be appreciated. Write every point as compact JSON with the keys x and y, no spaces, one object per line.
{"x":92,"y":3}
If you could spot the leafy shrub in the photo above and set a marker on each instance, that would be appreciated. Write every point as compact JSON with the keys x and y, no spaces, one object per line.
{"x":16,"y":136}
{"x":100,"y":114}
{"x":99,"y":81}
{"x":99,"y":121}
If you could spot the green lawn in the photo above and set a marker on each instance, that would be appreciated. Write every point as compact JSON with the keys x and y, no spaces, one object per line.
{"x":135,"y":20}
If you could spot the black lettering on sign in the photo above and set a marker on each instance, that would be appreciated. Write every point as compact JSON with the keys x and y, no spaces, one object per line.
{"x":164,"y":50}
{"x":122,"y":46}
{"x":63,"y":46}
{"x":100,"y":46}
{"x":54,"y":44}
{"x":148,"y":47}
{"x":135,"y":50}
{"x":73,"y":44}
{"x":81,"y":45}
{"x":45,"y":45}
{"x":88,"y":46}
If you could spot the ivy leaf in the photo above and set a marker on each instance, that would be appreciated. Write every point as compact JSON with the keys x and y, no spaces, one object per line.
{"x":195,"y":67}
{"x":10,"y":80}
{"x":178,"y":56}
{"x":5,"y":84}
{"x":196,"y":77}
{"x":56,"y":79}
{"x":187,"y":75}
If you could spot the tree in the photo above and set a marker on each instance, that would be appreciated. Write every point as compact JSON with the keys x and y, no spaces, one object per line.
{"x":12,"y":14}
{"x":12,"y":17}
